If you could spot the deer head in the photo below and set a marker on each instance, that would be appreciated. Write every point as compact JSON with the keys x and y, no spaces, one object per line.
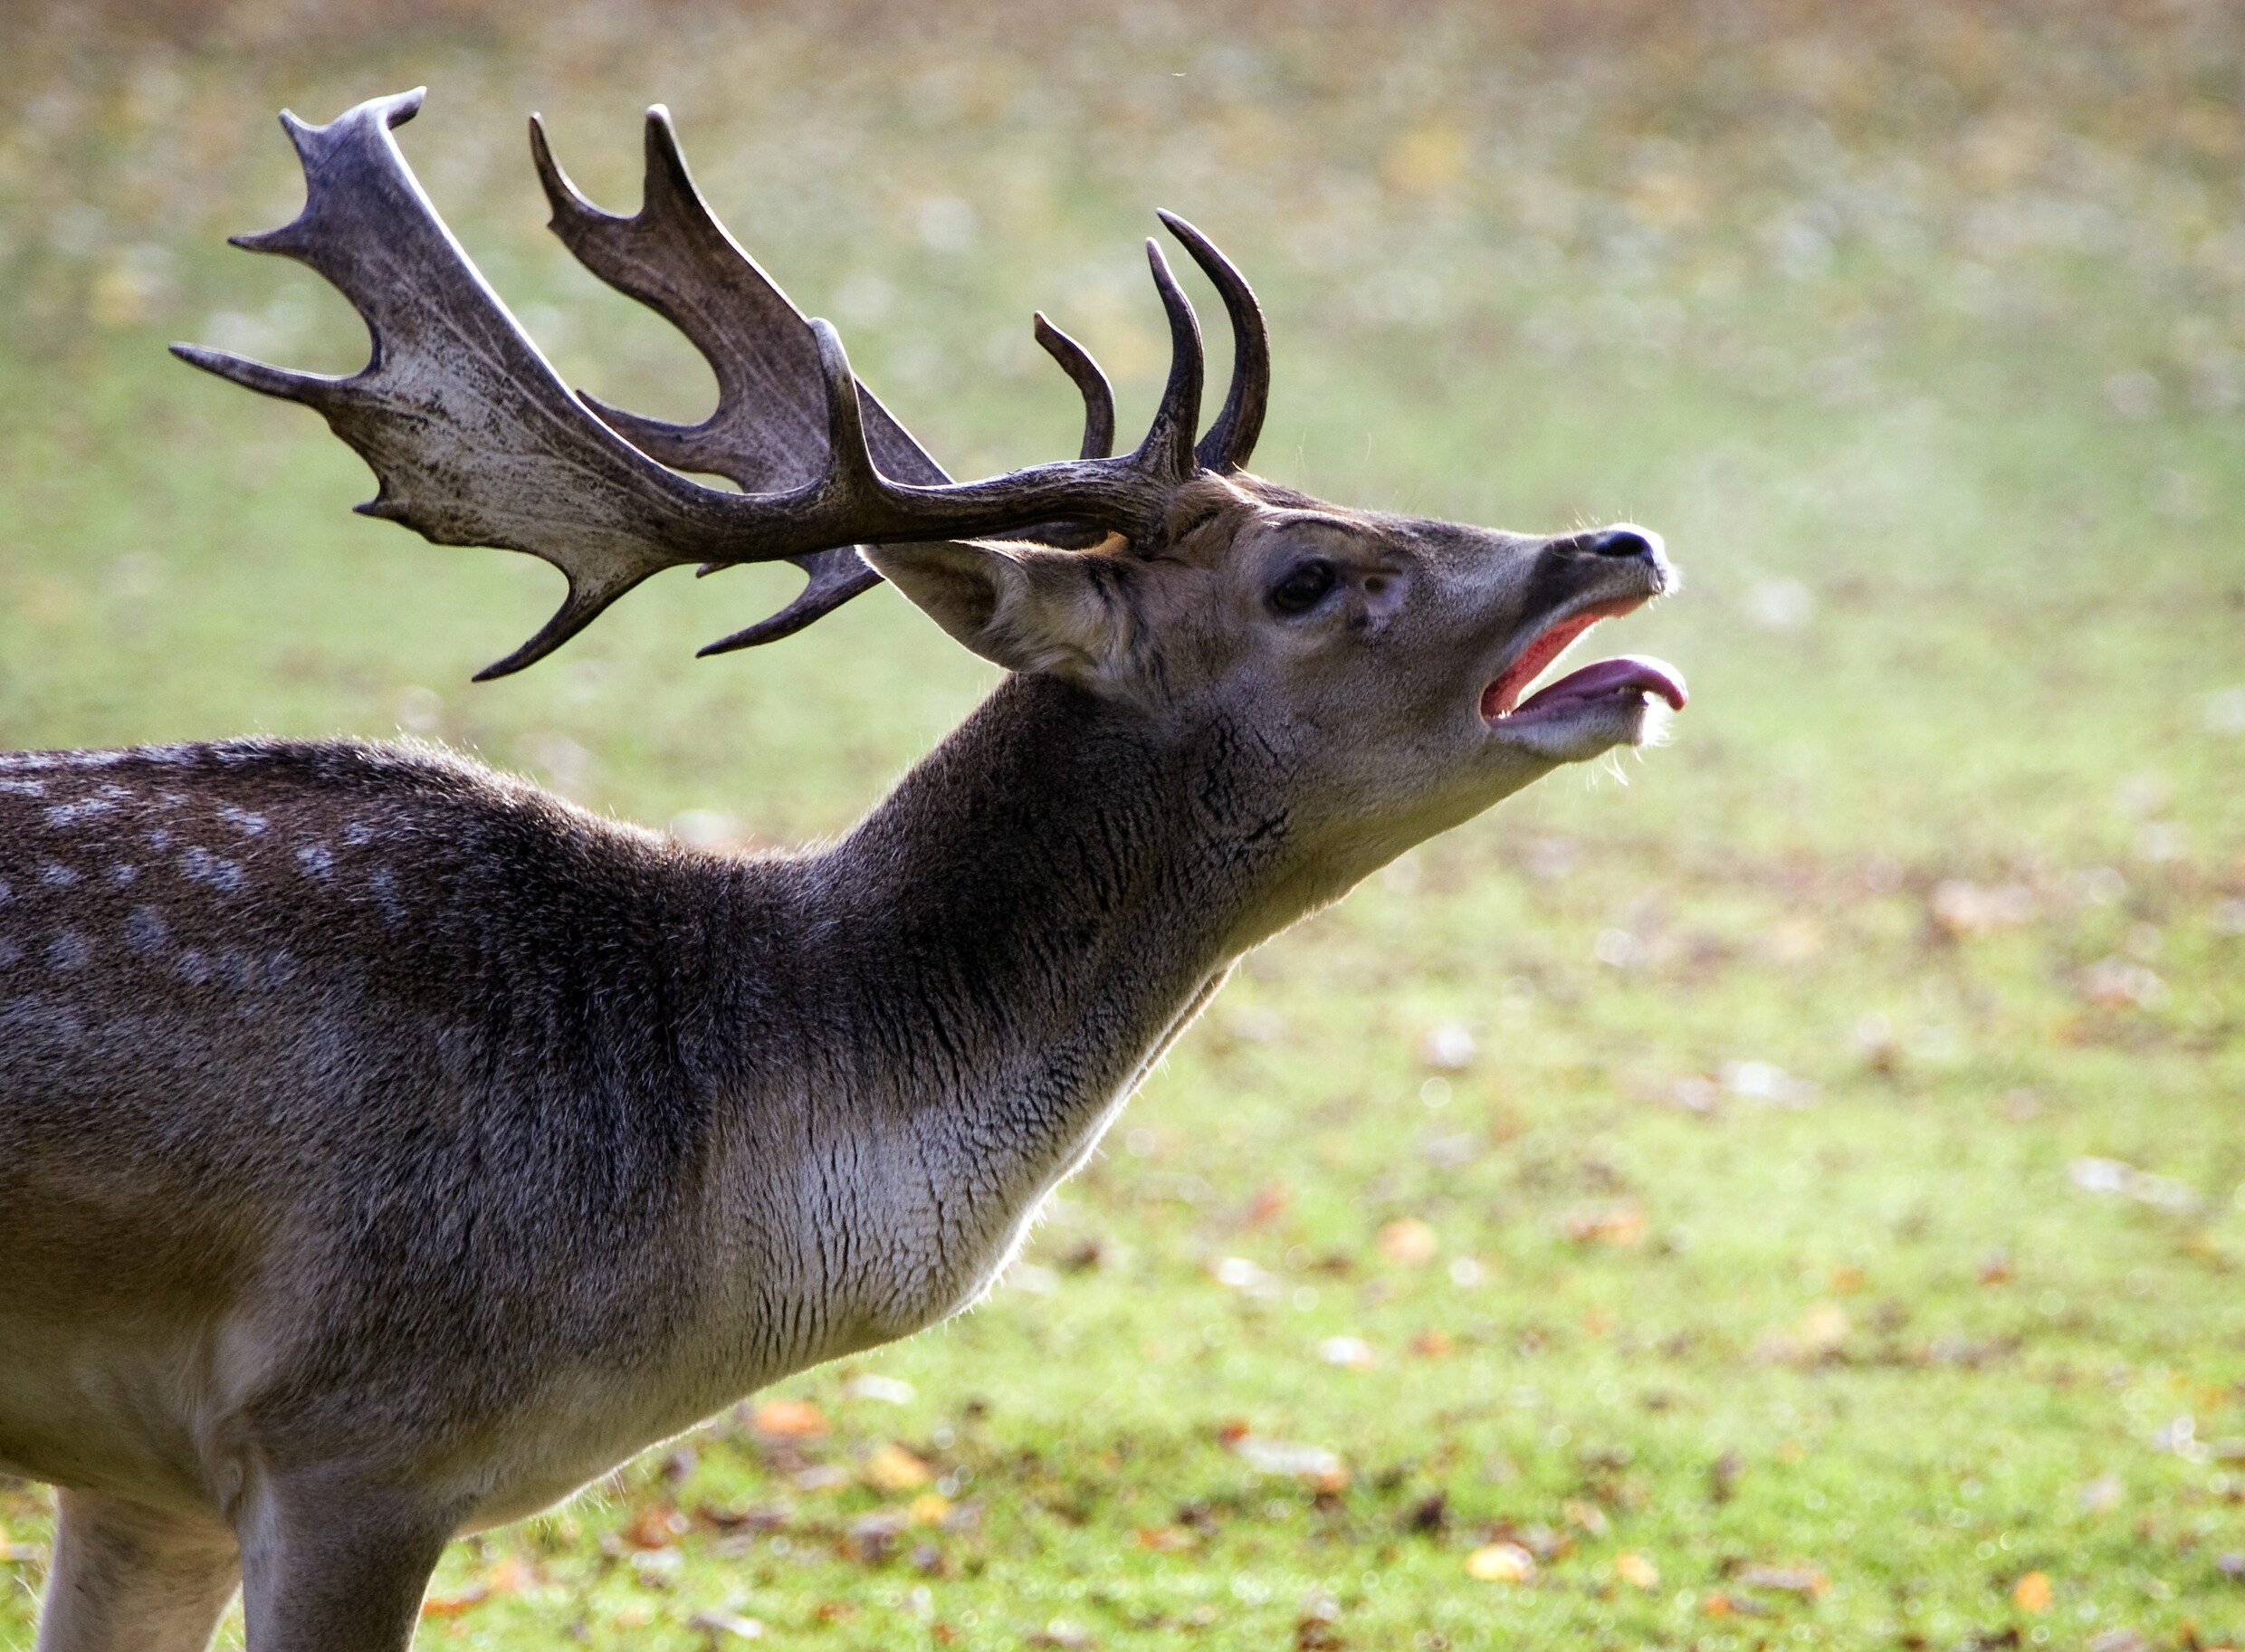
{"x":1372,"y":666}
{"x":1375,"y":665}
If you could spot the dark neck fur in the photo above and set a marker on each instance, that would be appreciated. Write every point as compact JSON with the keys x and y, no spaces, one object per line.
{"x":1042,"y":897}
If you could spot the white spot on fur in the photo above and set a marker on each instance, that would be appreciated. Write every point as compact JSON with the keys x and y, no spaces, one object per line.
{"x":316,"y":861}
{"x":95,"y":760}
{"x":383,"y":883}
{"x":68,"y":950}
{"x":249,"y":820}
{"x":193,"y":965}
{"x":159,"y":839}
{"x":357,"y":833}
{"x":205,"y":867}
{"x":174,"y":756}
{"x":57,"y":876}
{"x":122,"y":874}
{"x":70,"y":813}
{"x":144,"y":929}
{"x":29,"y":760}
{"x":27,"y":789}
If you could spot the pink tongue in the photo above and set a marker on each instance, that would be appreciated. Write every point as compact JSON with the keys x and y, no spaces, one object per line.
{"x":1640,"y":671}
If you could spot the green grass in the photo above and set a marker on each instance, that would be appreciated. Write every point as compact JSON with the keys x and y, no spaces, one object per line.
{"x":1919,"y":342}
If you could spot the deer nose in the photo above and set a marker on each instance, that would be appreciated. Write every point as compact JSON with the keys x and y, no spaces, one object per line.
{"x":1625,"y":540}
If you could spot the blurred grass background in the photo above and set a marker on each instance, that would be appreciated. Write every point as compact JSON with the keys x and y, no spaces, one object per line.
{"x":1795,"y":1198}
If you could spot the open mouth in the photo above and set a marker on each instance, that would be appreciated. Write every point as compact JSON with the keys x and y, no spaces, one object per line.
{"x":1624,"y":681}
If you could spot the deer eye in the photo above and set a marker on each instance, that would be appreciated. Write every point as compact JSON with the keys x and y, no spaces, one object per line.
{"x":1303,"y":588}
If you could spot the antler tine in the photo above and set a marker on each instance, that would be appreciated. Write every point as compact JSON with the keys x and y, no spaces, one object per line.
{"x":766,"y":431}
{"x":853,"y":483}
{"x":1230,"y":441}
{"x":674,"y":257}
{"x":596,"y":238}
{"x":1168,"y":447}
{"x":539,"y":475}
{"x":1076,"y":362}
{"x":835,"y":576}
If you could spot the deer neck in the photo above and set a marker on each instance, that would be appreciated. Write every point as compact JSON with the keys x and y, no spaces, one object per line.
{"x":1009,"y":941}
{"x":1050,"y":884}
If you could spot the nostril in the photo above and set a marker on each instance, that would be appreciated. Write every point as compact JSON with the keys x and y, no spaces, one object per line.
{"x":1622,"y":542}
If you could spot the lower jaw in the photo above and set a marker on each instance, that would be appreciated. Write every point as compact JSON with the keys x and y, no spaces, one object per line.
{"x":1558,"y":713}
{"x":1580,"y":731}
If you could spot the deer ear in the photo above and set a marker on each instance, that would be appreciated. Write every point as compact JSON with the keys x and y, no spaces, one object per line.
{"x":1026,"y":608}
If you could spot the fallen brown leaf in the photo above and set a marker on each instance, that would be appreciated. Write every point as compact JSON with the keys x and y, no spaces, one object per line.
{"x":658,"y":1527}
{"x":452,"y":1606}
{"x":892,"y":1469}
{"x":1620,"y":1223}
{"x":790,"y":1419}
{"x":1410,"y":1242}
{"x":510,"y":1574}
{"x":1268,"y":1203}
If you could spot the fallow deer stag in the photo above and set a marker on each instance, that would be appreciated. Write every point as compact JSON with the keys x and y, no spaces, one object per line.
{"x":388,"y":1148}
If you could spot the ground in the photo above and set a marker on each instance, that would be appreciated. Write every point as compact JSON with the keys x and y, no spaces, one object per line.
{"x":1793,"y":1196}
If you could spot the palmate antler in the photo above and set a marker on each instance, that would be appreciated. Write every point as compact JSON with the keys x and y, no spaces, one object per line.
{"x":476,"y":440}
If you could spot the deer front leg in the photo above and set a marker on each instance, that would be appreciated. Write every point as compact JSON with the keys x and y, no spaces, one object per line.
{"x":131,"y":1578}
{"x":332,"y":1564}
